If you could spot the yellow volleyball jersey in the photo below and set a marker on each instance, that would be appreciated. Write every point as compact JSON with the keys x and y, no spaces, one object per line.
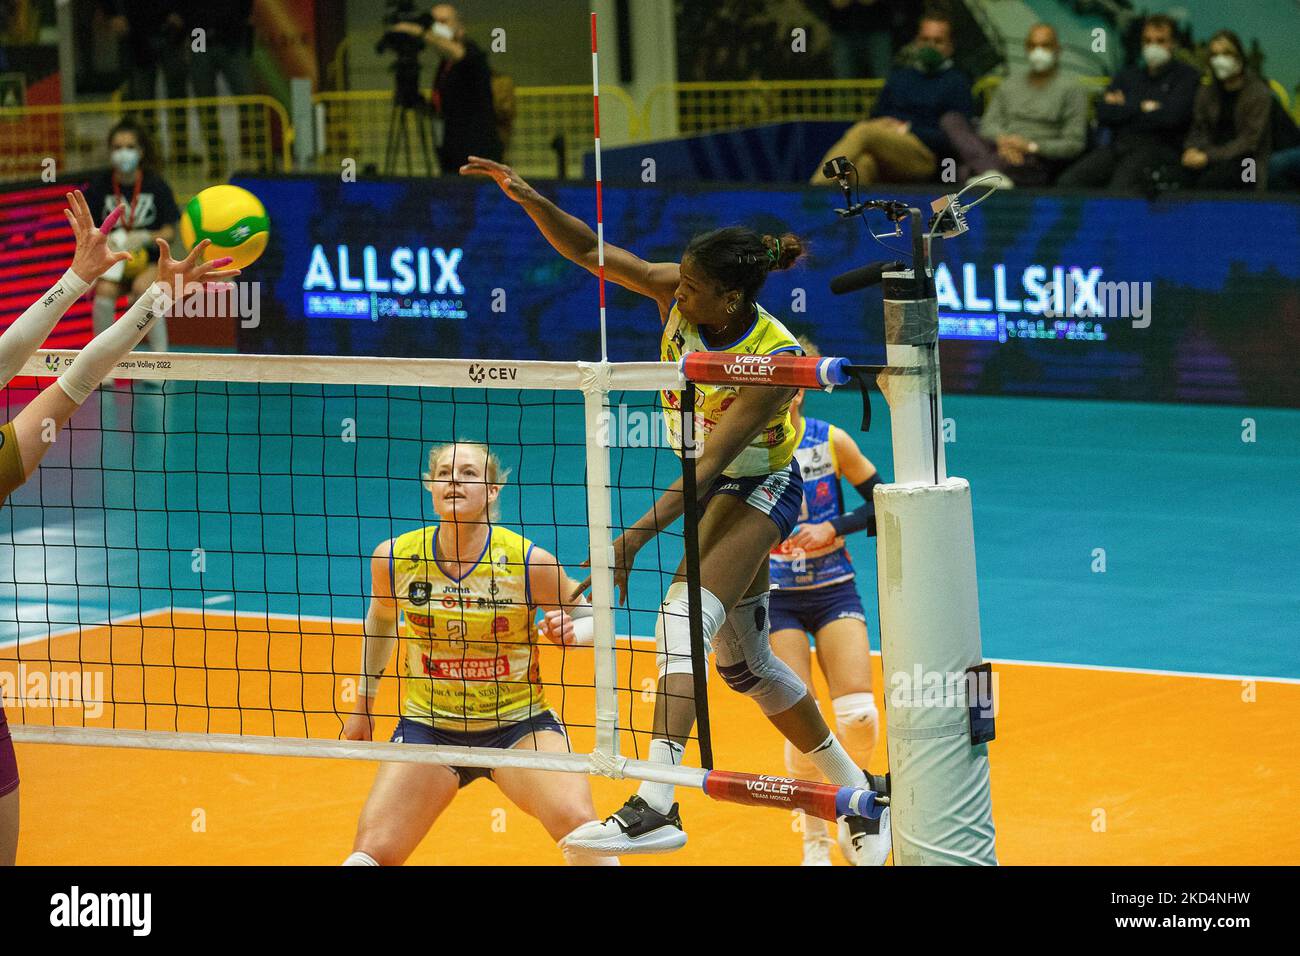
{"x":773,"y":447}
{"x":470,"y":661}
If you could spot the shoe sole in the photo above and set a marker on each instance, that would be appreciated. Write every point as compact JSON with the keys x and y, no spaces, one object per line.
{"x":650,"y":843}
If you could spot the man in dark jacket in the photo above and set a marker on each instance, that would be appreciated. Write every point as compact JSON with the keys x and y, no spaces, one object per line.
{"x":462,"y":92}
{"x":1148,"y":109}
{"x":902,"y":142}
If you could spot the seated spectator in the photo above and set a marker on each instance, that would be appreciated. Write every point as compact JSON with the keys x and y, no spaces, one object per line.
{"x":1231,"y":122}
{"x":1148,"y":110}
{"x":902,"y":142}
{"x":1035,"y":123}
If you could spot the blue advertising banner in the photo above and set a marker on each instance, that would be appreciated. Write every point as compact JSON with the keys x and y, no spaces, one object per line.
{"x":1183,"y":299}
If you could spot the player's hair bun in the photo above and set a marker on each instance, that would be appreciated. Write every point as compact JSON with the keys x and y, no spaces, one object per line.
{"x":783,"y":251}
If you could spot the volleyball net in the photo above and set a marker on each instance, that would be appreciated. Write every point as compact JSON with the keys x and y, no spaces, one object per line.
{"x":191,"y":564}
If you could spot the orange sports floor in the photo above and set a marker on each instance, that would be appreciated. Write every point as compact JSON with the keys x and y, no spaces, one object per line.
{"x":1094,"y":767}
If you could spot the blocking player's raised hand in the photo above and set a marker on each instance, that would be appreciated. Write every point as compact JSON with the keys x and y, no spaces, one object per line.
{"x":93,"y":256}
{"x":178,"y":275}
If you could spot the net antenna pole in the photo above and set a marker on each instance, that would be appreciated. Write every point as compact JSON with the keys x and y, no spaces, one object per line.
{"x":928,"y":592}
{"x":600,"y":206}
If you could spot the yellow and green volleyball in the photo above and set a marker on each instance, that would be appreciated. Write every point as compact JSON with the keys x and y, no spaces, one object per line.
{"x":233,"y":218}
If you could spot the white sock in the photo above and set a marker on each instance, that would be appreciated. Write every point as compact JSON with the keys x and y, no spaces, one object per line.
{"x":857,"y":724}
{"x":360,"y":859}
{"x":109,"y":347}
{"x":660,"y":795}
{"x":834,"y":761}
{"x":34,"y":326}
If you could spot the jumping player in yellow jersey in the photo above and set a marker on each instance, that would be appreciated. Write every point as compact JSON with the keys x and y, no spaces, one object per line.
{"x":814,"y":592}
{"x":750,"y":494}
{"x":25,"y":440}
{"x":467,"y":590}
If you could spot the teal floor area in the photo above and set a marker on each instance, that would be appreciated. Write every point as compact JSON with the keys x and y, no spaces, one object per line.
{"x":252,"y":500}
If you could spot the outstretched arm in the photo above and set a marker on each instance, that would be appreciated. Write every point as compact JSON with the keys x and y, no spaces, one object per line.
{"x":575,"y":240}
{"x":90,"y":261}
{"x":568,"y":620}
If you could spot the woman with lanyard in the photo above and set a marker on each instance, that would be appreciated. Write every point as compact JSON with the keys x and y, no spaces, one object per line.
{"x":150,"y":213}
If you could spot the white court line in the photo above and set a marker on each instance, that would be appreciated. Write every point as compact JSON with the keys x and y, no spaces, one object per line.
{"x":641,"y":639}
{"x":122,"y":619}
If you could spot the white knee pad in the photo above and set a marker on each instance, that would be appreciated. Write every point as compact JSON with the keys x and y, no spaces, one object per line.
{"x":747,"y":664}
{"x":854,"y":710}
{"x":673,"y":628}
{"x":858,"y":724}
{"x":360,"y":859}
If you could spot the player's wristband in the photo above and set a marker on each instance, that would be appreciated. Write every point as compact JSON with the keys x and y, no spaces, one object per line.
{"x":862,"y":517}
{"x":584,"y":624}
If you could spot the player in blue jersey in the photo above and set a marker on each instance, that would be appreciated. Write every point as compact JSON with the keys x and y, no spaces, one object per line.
{"x":814,"y":592}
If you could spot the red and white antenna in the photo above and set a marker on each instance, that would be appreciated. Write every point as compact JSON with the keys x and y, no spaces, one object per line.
{"x":600,"y":208}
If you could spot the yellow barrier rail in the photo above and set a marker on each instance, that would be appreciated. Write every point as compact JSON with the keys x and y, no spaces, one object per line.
{"x":199,"y":140}
{"x":702,"y":107}
{"x":364,"y":127}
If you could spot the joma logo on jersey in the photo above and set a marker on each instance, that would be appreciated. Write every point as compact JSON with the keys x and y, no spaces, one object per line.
{"x":419,"y":592}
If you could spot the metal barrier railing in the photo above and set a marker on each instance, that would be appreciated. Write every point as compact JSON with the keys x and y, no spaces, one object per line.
{"x":552,"y":126}
{"x":702,"y":107}
{"x":199,"y":139}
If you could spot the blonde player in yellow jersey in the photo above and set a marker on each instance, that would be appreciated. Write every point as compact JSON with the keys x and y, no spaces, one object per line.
{"x":467,"y":591}
{"x":750,"y":494}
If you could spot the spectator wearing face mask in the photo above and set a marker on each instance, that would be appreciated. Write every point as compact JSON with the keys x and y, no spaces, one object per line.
{"x":132,"y":181}
{"x":1148,"y":110}
{"x":902,"y":142}
{"x":1231,"y":122}
{"x":1035,"y":122}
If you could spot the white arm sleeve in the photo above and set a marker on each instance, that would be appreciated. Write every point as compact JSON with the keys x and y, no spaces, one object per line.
{"x":34,"y":326}
{"x":380,"y":639}
{"x":584,"y":625}
{"x":110,"y":346}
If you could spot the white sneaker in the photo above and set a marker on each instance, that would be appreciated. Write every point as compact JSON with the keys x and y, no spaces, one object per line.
{"x":635,"y":828}
{"x":817,"y":850}
{"x":865,"y":842}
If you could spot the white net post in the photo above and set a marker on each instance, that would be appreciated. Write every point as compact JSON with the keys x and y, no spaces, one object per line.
{"x":941,"y":809}
{"x":595,"y":390}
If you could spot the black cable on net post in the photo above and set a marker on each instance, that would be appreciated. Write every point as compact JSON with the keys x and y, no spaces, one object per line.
{"x":691,"y":545}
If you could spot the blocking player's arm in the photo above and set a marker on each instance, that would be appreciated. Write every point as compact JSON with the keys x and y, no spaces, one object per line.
{"x":381,"y":628}
{"x":567,"y":620}
{"x":576,"y":241}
